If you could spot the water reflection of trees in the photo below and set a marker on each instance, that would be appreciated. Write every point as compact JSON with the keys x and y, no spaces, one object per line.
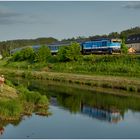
{"x":70,"y":102}
{"x":74,"y":99}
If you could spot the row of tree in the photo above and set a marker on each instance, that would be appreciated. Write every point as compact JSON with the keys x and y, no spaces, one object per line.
{"x":43,"y":54}
{"x":123,"y":35}
{"x":29,"y":54}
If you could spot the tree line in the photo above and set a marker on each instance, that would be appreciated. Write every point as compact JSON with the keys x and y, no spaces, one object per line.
{"x":6,"y":46}
{"x":43,"y":54}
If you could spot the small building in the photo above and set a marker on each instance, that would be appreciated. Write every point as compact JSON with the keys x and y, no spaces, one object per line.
{"x":133,"y":43}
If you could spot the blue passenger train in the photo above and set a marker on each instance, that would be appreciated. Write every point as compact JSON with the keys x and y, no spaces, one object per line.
{"x":101,"y":46}
{"x":89,"y":47}
{"x":95,"y":46}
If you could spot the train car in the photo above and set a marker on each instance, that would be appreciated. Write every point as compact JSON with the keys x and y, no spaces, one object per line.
{"x":55,"y":47}
{"x":101,"y":46}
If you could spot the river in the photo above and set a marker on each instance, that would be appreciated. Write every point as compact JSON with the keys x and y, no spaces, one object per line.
{"x":79,"y":114}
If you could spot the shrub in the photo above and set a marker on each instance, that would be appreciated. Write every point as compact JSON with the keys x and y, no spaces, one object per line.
{"x":43,"y":100}
{"x":9,"y":83}
{"x":24,"y":54}
{"x":42,"y":54}
{"x":10,"y":108}
{"x":124,"y":48}
{"x":69,"y":53}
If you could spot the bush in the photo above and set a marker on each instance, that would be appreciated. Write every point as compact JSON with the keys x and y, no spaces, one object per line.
{"x":69,"y":53}
{"x":42,"y":54}
{"x":24,"y":54}
{"x":9,"y":83}
{"x":10,"y":108}
{"x":124,"y":49}
{"x":43,"y":100}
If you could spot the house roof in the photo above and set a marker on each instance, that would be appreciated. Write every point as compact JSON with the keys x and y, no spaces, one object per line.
{"x":133,"y":39}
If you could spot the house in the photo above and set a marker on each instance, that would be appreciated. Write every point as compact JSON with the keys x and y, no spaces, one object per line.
{"x":133,"y":43}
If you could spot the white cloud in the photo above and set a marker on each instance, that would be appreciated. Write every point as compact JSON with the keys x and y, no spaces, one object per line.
{"x":133,"y":5}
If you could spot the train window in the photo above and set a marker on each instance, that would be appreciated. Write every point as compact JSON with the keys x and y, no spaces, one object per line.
{"x":104,"y":43}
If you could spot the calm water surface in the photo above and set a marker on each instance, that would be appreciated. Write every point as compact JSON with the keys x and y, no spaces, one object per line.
{"x":79,"y":114}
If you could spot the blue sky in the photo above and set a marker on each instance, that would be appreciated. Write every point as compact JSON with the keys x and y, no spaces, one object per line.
{"x":65,"y":19}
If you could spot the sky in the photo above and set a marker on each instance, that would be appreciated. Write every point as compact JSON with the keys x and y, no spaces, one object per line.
{"x":65,"y":19}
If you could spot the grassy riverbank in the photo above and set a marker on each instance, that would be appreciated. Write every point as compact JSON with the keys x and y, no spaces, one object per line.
{"x":71,"y":96}
{"x":106,"y":82}
{"x":17,"y":101}
{"x":121,"y":72}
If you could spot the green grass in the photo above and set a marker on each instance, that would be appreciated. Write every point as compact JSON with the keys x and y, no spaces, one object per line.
{"x":26,"y":102}
{"x":11,"y":108}
{"x":118,"y":65}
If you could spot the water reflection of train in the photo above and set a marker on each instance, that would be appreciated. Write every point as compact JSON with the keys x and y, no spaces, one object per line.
{"x":113,"y":116}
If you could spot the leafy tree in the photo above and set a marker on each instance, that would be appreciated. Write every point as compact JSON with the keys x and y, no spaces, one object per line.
{"x":124,"y":48}
{"x":69,"y":53}
{"x":73,"y":52}
{"x":16,"y":56}
{"x":62,"y":53}
{"x":24,"y":54}
{"x":42,"y":54}
{"x":131,"y":31}
{"x":27,"y":53}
